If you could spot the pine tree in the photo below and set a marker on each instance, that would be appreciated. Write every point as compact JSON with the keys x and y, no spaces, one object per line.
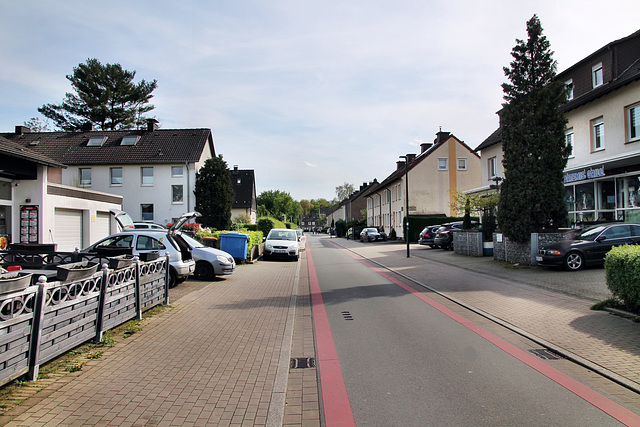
{"x":214,"y":194}
{"x":533,"y":141}
{"x":105,"y":96}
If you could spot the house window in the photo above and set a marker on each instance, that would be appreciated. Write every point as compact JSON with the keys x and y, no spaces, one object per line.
{"x":568,"y":135}
{"x":492,"y":167}
{"x":443,"y":163}
{"x":130,"y":140}
{"x":176,"y":171}
{"x":177,"y":194}
{"x":146,"y":176}
{"x":633,"y":123}
{"x":596,"y":75}
{"x":147,"y":212}
{"x":462,"y":163}
{"x":569,"y":87}
{"x":597,"y":134}
{"x":116,"y":176}
{"x":85,"y":177}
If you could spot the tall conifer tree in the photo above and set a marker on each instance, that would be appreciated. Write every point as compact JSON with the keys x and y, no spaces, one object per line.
{"x":533,"y":140}
{"x":214,"y":193}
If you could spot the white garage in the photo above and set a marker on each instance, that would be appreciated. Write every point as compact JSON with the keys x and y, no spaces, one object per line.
{"x":67,"y":232}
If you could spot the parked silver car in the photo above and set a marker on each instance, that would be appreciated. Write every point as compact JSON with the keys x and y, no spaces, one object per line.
{"x":210,"y":262}
{"x":163,"y":242}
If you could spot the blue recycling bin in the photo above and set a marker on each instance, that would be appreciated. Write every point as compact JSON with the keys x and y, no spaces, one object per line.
{"x":235,"y":244}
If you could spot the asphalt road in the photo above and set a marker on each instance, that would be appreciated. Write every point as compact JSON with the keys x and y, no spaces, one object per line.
{"x":407,"y":360}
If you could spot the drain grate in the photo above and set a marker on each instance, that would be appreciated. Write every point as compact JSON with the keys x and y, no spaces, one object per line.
{"x":546,"y":354}
{"x":347,"y":316}
{"x":303,"y":362}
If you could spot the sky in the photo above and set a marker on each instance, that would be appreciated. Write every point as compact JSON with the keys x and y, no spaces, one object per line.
{"x":308,"y":94}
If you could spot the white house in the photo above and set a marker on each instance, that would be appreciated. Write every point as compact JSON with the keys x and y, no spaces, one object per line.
{"x":152,"y":170}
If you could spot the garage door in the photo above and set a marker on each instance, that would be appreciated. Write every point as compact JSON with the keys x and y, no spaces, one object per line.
{"x":68,"y":229}
{"x":102,"y":226}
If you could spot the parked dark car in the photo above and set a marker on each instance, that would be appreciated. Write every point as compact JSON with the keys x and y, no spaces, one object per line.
{"x":371,"y":234}
{"x":589,"y":246}
{"x":444,"y":234}
{"x":428,"y":234}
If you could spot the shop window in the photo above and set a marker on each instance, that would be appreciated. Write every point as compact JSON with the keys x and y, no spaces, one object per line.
{"x":606,"y":195}
{"x":584,"y":197}
{"x":628,"y":192}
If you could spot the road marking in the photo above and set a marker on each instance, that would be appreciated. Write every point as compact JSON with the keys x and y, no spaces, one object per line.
{"x":601,"y":402}
{"x":337,"y":409}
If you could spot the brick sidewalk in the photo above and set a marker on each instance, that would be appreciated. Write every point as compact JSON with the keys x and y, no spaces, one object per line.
{"x":219,"y":356}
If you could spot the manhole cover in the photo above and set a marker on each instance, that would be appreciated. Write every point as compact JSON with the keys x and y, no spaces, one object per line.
{"x":303,"y":362}
{"x":546,"y":354}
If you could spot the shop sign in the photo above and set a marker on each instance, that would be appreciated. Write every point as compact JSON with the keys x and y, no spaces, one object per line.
{"x":590,"y":173}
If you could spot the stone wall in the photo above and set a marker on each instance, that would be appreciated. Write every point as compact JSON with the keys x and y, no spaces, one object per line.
{"x":467,"y":243}
{"x":521,"y":253}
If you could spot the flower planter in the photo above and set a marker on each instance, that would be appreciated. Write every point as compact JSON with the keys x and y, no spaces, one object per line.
{"x":149,"y":256}
{"x":76,"y":271}
{"x":121,"y":261}
{"x":14,"y":281}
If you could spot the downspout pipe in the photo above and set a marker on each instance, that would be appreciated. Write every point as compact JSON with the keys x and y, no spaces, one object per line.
{"x":186,"y":164}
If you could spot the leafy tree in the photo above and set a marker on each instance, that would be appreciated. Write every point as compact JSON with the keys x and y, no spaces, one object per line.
{"x":306,"y":206}
{"x":214,"y":193}
{"x":343,"y":191}
{"x":533,"y":141}
{"x":105,"y":96}
{"x":278,"y":204}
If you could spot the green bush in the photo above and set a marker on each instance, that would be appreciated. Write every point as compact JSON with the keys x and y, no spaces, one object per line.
{"x":341,"y":228}
{"x":622,"y":270}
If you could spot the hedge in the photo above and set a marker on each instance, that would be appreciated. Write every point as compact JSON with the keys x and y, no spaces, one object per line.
{"x":622,"y":271}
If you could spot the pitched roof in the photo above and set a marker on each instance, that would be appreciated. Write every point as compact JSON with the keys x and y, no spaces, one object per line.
{"x":243,"y":183}
{"x":13,"y":149}
{"x":158,"y":146}
{"x":494,"y":138}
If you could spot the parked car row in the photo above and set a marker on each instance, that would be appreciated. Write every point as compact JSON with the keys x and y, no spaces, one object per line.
{"x":187,"y":256}
{"x":441,"y":236}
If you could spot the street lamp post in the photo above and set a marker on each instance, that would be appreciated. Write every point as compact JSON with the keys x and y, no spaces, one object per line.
{"x":406,"y":181}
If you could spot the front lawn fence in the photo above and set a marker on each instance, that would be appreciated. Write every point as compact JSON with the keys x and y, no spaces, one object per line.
{"x":47,"y":319}
{"x":622,"y":272}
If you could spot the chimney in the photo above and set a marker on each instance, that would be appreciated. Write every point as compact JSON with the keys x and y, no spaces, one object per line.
{"x":425,"y":146}
{"x":235,"y":169}
{"x":87,"y":127}
{"x":21,"y":130}
{"x":441,"y":136}
{"x":411,"y":158}
{"x":400,"y":164}
{"x":152,"y":124}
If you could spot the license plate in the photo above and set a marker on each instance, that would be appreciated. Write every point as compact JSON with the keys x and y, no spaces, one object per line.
{"x":539,"y":258}
{"x":280,"y":251}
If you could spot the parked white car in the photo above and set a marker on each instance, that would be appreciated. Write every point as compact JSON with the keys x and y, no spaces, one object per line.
{"x":302,"y":239}
{"x":281,"y":242}
{"x":141,"y":241}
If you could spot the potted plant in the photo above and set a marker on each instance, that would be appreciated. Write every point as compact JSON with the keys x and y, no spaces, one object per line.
{"x":149,"y":256}
{"x":14,"y":281}
{"x":76,"y":270}
{"x":120,"y":261}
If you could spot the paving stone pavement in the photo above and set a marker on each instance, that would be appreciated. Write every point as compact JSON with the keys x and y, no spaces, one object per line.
{"x":219,"y":356}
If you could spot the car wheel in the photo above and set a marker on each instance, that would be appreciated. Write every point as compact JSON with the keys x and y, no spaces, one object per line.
{"x":574,"y":261}
{"x":173,"y":278}
{"x":204,"y":271}
{"x":433,"y":246}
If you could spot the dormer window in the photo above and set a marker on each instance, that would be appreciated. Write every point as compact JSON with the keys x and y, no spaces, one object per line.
{"x":130,"y":140}
{"x":96,"y":141}
{"x":569,"y":88}
{"x":597,"y":75}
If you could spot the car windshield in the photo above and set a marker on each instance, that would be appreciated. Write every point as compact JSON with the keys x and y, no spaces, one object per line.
{"x":282,"y":235}
{"x":191,"y":241}
{"x":590,"y":233}
{"x":372,"y":230}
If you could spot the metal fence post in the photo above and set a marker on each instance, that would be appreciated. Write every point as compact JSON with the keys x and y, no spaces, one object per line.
{"x":138,"y":289}
{"x":36,"y":331}
{"x":102,"y":301}
{"x":166,"y":280}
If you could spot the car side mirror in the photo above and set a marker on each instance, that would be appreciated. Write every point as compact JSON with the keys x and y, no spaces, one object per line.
{"x":601,"y":238}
